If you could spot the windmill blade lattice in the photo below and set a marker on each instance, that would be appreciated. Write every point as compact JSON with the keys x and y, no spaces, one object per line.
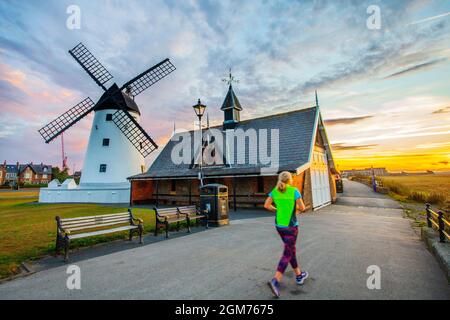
{"x":66,"y":120}
{"x":146,"y":79}
{"x":91,"y":65}
{"x":134,"y":132}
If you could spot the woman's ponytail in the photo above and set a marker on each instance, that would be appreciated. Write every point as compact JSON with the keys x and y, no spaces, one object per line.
{"x":281,"y":186}
{"x":284,"y":178}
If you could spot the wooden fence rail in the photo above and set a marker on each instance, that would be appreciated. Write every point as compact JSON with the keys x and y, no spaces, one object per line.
{"x":437,"y":221}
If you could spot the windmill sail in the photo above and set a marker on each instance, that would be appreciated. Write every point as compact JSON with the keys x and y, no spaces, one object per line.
{"x":134,"y":132}
{"x":66,"y":120}
{"x":148,"y":78}
{"x":91,"y":65}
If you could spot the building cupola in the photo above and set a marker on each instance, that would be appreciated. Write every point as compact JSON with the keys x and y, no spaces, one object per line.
{"x":231,"y":106}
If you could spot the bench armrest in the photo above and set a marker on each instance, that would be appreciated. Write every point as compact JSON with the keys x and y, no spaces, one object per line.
{"x":138,"y":220}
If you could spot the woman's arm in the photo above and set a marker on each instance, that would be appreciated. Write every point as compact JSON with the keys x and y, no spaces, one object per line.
{"x":300,"y":205}
{"x":269,"y":205}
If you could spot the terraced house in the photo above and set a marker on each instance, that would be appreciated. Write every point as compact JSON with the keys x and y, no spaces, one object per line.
{"x":13,"y":174}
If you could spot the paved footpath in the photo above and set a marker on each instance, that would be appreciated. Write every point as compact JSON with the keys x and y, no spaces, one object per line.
{"x":337,"y":244}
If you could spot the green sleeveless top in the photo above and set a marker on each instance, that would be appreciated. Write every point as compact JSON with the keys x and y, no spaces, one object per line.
{"x":285,"y":203}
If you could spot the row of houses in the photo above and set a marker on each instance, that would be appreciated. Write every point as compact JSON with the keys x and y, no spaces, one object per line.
{"x":30,"y":173}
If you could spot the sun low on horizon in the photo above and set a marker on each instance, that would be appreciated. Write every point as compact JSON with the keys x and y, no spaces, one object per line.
{"x":383,"y":88}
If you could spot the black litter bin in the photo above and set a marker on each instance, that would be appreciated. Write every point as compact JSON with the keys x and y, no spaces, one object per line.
{"x":214,"y":200}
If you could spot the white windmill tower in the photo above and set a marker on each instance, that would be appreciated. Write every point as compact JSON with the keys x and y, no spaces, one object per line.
{"x":117,"y":143}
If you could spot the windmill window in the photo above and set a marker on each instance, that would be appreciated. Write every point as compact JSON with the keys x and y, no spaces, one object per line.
{"x":103,"y":168}
{"x":106,"y":142}
{"x":109,"y":117}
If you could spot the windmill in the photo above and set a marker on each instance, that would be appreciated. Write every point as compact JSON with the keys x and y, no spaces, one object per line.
{"x":117,"y":143}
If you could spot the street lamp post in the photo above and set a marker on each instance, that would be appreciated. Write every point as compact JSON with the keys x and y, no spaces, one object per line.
{"x":199,"y":109}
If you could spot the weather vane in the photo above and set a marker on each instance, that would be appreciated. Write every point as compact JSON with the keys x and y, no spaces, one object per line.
{"x":230,"y":79}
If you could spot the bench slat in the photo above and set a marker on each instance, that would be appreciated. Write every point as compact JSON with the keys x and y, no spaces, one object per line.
{"x":94,"y":226}
{"x":90,"y":217}
{"x":96,"y":233}
{"x":97,"y":223}
{"x":98,"y":219}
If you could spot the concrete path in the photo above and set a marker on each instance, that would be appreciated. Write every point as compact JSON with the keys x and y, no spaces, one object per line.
{"x":337,"y":244}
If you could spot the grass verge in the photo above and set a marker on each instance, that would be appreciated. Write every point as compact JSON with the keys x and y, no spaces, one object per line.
{"x":28,"y":229}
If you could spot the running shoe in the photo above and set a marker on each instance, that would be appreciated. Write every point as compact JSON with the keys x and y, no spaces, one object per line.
{"x":301,"y":277}
{"x":275,"y":287}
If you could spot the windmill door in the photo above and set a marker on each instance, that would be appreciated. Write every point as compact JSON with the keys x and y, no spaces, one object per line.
{"x":320,"y":180}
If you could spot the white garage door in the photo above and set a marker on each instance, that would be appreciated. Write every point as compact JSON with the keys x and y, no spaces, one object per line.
{"x":320,"y":179}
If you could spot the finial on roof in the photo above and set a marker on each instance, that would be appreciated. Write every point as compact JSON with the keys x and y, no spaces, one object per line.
{"x":230,"y":79}
{"x":317,"y":99}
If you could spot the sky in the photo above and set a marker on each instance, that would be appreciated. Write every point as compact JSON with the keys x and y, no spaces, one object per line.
{"x":384,"y":93}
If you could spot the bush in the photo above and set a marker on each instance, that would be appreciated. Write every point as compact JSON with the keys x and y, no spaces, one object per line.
{"x":418,"y":196}
{"x":435,"y":198}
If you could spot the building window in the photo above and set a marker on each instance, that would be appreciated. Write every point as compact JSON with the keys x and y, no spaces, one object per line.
{"x":45,"y":169}
{"x":103,"y":168}
{"x":260,"y":184}
{"x":44,"y":176}
{"x":109,"y":117}
{"x":173,"y":186}
{"x":106,"y":142}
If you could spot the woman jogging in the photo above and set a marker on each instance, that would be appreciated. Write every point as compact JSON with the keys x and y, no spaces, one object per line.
{"x":288,"y":202}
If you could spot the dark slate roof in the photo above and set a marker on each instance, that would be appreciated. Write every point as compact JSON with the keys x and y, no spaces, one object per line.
{"x":37,"y":168}
{"x":231,"y":101}
{"x":296,"y":130}
{"x":11,"y":168}
{"x":120,"y":100}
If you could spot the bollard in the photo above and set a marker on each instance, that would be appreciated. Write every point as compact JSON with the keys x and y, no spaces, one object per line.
{"x":428,"y":215}
{"x":441,"y":226}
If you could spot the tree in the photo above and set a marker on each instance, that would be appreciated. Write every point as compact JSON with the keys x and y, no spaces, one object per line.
{"x":60,"y":175}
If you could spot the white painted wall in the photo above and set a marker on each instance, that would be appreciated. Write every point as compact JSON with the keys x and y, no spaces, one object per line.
{"x":84,"y":195}
{"x":121,"y":157}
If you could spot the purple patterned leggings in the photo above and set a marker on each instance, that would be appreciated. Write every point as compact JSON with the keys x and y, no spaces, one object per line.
{"x":289,"y":237}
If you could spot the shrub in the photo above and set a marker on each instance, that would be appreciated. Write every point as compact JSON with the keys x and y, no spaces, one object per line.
{"x":435,"y":198}
{"x":418,"y":196}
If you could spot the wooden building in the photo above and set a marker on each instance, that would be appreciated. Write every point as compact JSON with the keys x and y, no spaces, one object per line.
{"x":303,"y":150}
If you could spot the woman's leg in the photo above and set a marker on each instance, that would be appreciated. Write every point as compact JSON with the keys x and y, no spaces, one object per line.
{"x":289,"y":238}
{"x":293,"y":261}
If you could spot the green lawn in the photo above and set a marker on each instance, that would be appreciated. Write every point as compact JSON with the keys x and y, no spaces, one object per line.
{"x":28,"y":229}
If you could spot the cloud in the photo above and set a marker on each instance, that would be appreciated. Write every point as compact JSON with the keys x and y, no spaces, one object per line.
{"x":416,"y":68}
{"x":349,"y":120}
{"x":442,"y":110}
{"x":344,"y":147}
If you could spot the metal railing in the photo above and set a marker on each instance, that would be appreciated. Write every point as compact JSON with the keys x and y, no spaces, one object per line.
{"x":437,"y":221}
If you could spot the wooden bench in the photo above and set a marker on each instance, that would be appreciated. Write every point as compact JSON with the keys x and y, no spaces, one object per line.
{"x":166,"y":216}
{"x":193,"y":214}
{"x":82,"y":227}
